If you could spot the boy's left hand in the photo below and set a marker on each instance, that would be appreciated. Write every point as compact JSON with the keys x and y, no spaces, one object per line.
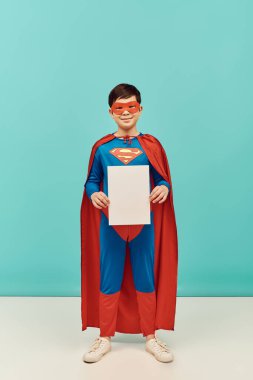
{"x":159,"y":193}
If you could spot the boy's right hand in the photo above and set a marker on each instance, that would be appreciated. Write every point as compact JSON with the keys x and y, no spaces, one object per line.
{"x":99,"y":199}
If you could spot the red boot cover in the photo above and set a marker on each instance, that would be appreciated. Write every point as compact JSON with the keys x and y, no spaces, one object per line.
{"x":108,"y":308}
{"x":147,"y":311}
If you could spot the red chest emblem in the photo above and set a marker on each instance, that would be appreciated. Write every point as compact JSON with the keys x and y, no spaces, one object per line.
{"x":126,"y":155}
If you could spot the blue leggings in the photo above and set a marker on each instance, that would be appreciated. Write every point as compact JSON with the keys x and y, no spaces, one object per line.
{"x":112,"y":258}
{"x":112,"y":262}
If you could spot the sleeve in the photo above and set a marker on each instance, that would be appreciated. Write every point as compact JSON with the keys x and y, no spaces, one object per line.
{"x":92,"y":184}
{"x":158,"y":179}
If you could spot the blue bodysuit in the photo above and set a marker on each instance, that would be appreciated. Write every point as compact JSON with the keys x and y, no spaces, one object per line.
{"x":105,"y":156}
{"x":120,"y":151}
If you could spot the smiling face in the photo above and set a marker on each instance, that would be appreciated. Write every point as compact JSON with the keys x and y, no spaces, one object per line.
{"x":130,"y":115}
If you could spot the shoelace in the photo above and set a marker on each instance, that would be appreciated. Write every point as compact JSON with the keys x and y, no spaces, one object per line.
{"x":96,"y":345}
{"x":162,"y":345}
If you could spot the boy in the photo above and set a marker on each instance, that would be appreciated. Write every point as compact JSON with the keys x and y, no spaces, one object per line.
{"x":128,"y":272}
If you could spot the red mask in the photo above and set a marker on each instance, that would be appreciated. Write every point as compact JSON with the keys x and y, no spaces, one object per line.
{"x":119,"y":107}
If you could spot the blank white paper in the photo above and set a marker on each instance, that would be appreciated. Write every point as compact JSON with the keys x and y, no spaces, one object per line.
{"x":128,"y":191}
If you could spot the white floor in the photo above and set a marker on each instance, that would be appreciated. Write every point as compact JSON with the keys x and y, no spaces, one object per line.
{"x":41,"y":338}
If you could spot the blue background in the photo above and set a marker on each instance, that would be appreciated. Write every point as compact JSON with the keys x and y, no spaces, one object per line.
{"x":192,"y":62}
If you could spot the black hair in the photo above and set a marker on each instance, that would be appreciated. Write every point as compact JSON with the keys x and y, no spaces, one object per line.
{"x":123,"y":90}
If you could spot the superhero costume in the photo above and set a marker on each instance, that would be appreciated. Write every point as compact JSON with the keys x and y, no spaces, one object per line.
{"x":113,"y":297}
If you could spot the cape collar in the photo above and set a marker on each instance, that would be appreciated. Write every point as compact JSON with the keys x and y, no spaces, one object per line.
{"x":127,"y":138}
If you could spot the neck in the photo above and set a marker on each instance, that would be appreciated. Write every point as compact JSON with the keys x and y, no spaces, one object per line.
{"x":130,"y":132}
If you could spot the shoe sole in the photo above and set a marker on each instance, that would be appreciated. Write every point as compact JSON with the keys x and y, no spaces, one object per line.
{"x":162,"y":361}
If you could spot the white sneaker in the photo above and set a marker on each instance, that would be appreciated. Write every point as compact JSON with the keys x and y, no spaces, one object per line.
{"x":159,"y":349}
{"x":100,"y":347}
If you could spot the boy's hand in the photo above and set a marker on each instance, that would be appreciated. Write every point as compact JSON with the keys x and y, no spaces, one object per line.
{"x":159,"y":193}
{"x":99,"y":199}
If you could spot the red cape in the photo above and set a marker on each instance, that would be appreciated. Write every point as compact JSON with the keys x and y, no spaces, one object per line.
{"x":166,"y":253}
